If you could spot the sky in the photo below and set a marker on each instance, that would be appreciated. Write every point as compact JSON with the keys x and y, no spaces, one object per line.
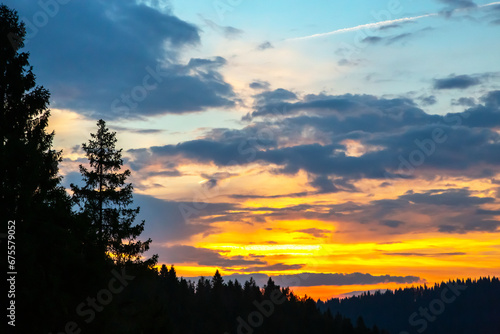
{"x":336,"y":146}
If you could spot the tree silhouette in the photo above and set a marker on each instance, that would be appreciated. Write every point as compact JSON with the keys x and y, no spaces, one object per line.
{"x":105,"y":201}
{"x":28,"y":164}
{"x":30,"y":190}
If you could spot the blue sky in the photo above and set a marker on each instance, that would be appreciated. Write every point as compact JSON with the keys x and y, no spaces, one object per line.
{"x":290,"y":136}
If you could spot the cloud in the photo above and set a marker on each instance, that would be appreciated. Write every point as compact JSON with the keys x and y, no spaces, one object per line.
{"x":449,"y":197}
{"x":169,"y":221}
{"x":273,"y":267}
{"x":454,"y":5}
{"x":133,"y":130}
{"x":349,"y":62}
{"x":203,"y":257}
{"x":389,"y":134}
{"x":391,"y":39}
{"x":324,"y":185}
{"x":447,"y":211}
{"x":316,"y":232}
{"x":399,"y":37}
{"x":391,"y":223}
{"x":464,"y":101}
{"x":372,"y":39}
{"x":426,"y":254}
{"x":120,"y":59}
{"x":275,"y":96}
{"x":427,"y":100}
{"x":227,"y":31}
{"x":364,"y":26}
{"x":456,"y":82}
{"x":459,"y":3}
{"x":258,"y":84}
{"x":389,"y":26}
{"x":165,"y":173}
{"x":250,"y":196}
{"x":213,"y":179}
{"x":264,"y":46}
{"x":315,"y":279}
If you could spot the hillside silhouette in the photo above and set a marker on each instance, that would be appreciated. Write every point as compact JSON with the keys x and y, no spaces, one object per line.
{"x":456,"y":306}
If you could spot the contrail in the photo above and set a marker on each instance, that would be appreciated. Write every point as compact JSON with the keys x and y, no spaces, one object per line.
{"x":376,"y":24}
{"x":363,"y":26}
{"x":489,"y":4}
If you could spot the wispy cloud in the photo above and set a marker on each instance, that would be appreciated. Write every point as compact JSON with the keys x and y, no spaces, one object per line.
{"x":379,"y":24}
{"x":363,"y":26}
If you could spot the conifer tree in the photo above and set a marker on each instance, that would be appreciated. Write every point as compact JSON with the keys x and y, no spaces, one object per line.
{"x":105,"y":201}
{"x":31,"y":195}
{"x":28,"y":164}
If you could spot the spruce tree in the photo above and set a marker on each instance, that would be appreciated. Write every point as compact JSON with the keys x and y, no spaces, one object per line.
{"x":30,"y":190}
{"x":28,"y":164}
{"x":105,"y":202}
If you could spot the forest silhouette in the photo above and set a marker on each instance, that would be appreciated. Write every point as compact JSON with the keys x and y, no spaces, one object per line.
{"x":80,"y":262}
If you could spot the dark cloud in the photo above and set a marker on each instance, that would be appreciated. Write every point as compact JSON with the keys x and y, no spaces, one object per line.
{"x":399,"y":38}
{"x":392,"y":223}
{"x":264,"y":46}
{"x":166,"y":173}
{"x":169,"y":221}
{"x":132,"y":130}
{"x":449,"y":197}
{"x":258,"y":84}
{"x":213,"y":179}
{"x":203,"y":257}
{"x":250,"y":196}
{"x":120,"y":59}
{"x":456,"y":82}
{"x":464,"y":101}
{"x":453,"y":5}
{"x":389,"y":26}
{"x":459,"y":3}
{"x":427,"y":254}
{"x":349,"y":62}
{"x":407,"y":140}
{"x":227,"y":31}
{"x":372,"y":39}
{"x":76,"y":149}
{"x":405,"y":143}
{"x":427,"y":100}
{"x":391,"y":39}
{"x":316,"y":232}
{"x":274,"y":267}
{"x":324,"y":185}
{"x":452,"y":210}
{"x":275,"y":96}
{"x":315,"y":279}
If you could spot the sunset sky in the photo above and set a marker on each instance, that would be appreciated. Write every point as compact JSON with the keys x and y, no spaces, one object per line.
{"x":337,"y":146}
